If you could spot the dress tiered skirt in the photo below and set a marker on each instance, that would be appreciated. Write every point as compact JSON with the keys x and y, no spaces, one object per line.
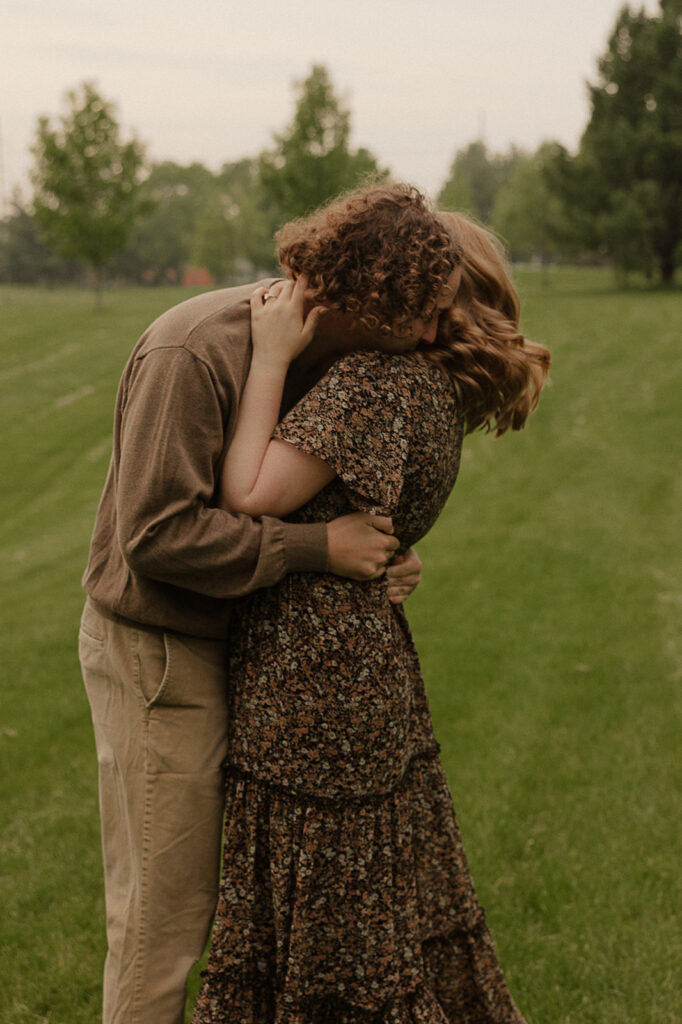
{"x":349,"y":911}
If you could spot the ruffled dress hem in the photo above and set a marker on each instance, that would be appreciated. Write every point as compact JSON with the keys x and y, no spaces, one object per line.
{"x":355,"y":912}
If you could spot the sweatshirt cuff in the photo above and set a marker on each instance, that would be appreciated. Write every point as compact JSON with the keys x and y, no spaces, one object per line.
{"x":305,"y":547}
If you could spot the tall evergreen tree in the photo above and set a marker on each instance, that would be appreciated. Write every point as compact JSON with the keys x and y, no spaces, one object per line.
{"x":24,"y":257}
{"x":626,"y":180}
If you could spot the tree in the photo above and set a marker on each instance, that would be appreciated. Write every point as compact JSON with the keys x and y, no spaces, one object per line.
{"x":24,"y":258}
{"x":627,"y":176}
{"x":256,"y":215}
{"x":475,"y":179}
{"x":527,"y":213}
{"x":163,"y":239}
{"x":86,"y":181}
{"x":236,"y":229}
{"x":221,"y":221}
{"x":312,"y":161}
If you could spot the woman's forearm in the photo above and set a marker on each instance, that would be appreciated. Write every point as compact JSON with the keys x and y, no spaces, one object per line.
{"x":257,"y":418}
{"x":261,"y":476}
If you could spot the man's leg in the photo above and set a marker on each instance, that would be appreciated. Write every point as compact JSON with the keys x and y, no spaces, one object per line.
{"x":159,"y":708}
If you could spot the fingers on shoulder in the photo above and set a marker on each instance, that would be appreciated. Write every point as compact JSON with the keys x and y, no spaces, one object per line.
{"x":257,"y":298}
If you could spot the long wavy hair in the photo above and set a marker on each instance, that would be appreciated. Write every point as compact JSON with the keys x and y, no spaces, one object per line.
{"x":497,"y":373}
{"x":380,"y":254}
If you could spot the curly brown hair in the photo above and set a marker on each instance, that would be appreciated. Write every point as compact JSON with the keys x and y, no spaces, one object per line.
{"x":497,"y":373}
{"x":380,"y":254}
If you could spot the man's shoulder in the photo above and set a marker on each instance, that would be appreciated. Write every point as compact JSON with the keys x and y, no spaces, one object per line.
{"x":203,"y":324}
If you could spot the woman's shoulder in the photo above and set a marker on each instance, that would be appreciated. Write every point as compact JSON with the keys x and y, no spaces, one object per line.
{"x":412,"y":369}
{"x":369,"y":380}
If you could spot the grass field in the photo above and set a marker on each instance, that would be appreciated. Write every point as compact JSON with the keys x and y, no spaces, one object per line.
{"x":548,"y":624}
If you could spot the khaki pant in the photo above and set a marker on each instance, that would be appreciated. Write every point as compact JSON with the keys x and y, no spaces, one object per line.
{"x":159,"y":710}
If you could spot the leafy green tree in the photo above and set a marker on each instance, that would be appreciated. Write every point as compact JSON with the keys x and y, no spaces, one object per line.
{"x":236,"y":228}
{"x":312,"y":161}
{"x":86,"y":181}
{"x":215,"y":238}
{"x":475,"y":179}
{"x":221,"y":221}
{"x":255,"y":215}
{"x":163,"y":239}
{"x":530,"y":216}
{"x":627,"y":177}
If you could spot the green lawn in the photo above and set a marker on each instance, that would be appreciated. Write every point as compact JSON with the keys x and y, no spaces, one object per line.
{"x":548,"y":623}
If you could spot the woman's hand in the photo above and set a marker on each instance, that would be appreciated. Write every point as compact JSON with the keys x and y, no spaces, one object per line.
{"x":280,"y":330}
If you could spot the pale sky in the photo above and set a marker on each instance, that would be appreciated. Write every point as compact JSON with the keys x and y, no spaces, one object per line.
{"x":211,"y":80}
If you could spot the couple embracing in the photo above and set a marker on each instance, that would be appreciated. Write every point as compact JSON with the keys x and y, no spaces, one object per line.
{"x":278,"y":450}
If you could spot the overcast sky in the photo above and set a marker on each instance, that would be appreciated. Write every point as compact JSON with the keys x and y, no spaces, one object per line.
{"x":211,"y":80}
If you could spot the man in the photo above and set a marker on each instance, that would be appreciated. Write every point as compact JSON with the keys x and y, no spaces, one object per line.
{"x":167,"y":567}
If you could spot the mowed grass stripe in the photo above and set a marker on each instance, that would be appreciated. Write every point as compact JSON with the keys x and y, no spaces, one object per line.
{"x":548,"y":624}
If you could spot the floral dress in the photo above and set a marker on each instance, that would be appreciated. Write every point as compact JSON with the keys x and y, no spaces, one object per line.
{"x":346,"y":897}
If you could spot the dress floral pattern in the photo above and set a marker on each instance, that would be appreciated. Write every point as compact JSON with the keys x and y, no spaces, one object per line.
{"x":346,"y":897}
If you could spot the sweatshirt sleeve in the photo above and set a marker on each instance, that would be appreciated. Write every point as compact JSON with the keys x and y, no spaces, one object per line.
{"x":171,"y":441}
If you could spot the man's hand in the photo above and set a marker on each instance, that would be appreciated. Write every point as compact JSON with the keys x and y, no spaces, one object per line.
{"x":360,"y":545}
{"x":404,"y":573}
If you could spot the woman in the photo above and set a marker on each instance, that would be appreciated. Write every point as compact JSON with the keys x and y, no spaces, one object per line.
{"x":346,"y":896}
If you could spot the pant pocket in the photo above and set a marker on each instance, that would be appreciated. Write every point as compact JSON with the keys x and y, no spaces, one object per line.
{"x":92,"y":626}
{"x":187,"y":714}
{"x":152,"y":660}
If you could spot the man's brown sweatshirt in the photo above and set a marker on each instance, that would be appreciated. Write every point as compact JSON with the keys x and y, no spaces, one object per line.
{"x":162,"y":554}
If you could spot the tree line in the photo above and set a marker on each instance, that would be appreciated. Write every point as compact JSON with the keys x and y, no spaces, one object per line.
{"x":96,"y":203}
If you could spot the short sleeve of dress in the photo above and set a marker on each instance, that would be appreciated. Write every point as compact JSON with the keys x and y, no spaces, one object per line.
{"x":358,"y":419}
